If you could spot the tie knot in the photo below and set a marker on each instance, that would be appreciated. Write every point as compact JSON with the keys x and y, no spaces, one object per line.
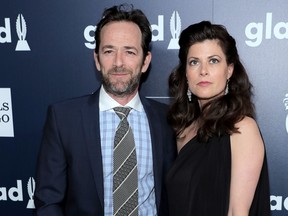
{"x":122,"y":112}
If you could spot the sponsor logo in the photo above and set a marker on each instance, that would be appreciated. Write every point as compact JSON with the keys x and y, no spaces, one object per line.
{"x":285,"y":101}
{"x":158,"y":29}
{"x":31,"y":190}
{"x":257,"y":31}
{"x":157,"y":32}
{"x":175,"y":29}
{"x":21,"y":30}
{"x":6,"y":118}
{"x":278,"y":203}
{"x":15,"y":194}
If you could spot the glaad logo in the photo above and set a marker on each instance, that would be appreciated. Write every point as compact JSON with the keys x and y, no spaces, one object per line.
{"x":16,"y":193}
{"x":21,"y":29}
{"x":278,"y":203}
{"x":285,"y":101}
{"x":6,"y":119}
{"x":31,"y":190}
{"x":175,"y":29}
{"x":255,"y":31}
{"x":157,"y":32}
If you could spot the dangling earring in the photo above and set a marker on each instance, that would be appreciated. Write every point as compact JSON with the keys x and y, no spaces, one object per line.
{"x":189,"y":95}
{"x":227,"y":88}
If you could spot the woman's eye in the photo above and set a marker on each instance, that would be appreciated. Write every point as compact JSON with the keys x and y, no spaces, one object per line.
{"x":214,"y":60}
{"x":193,"y":62}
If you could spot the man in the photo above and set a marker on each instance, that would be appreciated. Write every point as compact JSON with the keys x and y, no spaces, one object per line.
{"x":75,"y":173}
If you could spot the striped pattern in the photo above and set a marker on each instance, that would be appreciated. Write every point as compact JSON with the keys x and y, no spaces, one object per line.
{"x":125,"y":175}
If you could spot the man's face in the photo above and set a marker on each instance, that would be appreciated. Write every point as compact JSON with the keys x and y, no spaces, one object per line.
{"x":120,"y":58}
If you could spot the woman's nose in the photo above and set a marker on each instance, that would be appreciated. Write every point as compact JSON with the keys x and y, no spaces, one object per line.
{"x":203,"y":70}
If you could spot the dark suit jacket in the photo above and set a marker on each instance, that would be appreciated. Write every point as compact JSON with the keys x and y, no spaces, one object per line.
{"x":69,"y":178}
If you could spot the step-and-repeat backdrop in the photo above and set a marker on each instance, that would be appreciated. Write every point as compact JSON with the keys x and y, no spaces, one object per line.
{"x":46,"y":55}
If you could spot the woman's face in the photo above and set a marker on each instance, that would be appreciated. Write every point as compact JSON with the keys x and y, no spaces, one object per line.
{"x":207,"y":71}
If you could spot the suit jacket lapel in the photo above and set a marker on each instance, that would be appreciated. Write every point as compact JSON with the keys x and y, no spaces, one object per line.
{"x":157,"y":148}
{"x":90,"y":114}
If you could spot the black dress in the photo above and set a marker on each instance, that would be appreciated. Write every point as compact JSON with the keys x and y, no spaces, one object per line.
{"x":198,"y":184}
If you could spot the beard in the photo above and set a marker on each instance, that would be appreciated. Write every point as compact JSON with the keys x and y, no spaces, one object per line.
{"x":119,"y":87}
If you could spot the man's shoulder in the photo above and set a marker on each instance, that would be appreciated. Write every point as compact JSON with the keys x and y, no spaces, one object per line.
{"x":75,"y":102}
{"x":155,"y":108}
{"x":154,"y":103}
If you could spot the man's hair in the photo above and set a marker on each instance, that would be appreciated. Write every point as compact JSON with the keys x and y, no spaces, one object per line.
{"x":127,"y":13}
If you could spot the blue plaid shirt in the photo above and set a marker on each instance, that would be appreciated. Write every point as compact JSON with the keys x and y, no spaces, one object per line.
{"x":139,"y":123}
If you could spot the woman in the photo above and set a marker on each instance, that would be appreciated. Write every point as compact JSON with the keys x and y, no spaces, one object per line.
{"x":221,"y":167}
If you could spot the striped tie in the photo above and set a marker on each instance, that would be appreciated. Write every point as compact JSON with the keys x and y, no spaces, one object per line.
{"x":125,"y":183}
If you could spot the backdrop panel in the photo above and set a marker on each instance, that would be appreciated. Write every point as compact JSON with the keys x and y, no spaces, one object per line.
{"x":261,"y":30}
{"x":46,"y":55}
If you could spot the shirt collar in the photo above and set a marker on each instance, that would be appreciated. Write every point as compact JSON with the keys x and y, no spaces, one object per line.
{"x":106,"y":102}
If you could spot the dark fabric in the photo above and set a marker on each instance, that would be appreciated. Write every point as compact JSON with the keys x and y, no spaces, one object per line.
{"x":69,"y":177}
{"x":198,"y":184}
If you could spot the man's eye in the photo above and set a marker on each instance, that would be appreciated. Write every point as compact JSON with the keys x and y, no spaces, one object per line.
{"x":107,"y":51}
{"x":131,"y":53}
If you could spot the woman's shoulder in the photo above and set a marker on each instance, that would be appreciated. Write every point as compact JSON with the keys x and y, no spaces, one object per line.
{"x":248,"y":137}
{"x":246,"y":124}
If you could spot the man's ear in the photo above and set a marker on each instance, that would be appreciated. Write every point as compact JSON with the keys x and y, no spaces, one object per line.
{"x":146,"y":62}
{"x":96,"y":59}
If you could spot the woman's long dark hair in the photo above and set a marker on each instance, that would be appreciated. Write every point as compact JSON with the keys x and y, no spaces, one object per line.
{"x":220,"y":115}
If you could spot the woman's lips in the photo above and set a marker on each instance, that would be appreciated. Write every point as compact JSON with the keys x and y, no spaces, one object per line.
{"x":204,"y":83}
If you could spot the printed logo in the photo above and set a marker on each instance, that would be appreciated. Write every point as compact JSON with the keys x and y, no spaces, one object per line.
{"x":256,"y":31}
{"x":21,"y":29}
{"x":285,"y":101}
{"x":278,"y":203}
{"x":13,"y":193}
{"x":16,"y":193}
{"x":5,"y":32}
{"x":157,"y":32}
{"x":6,"y":119}
{"x":158,"y":29}
{"x":175,"y":29}
{"x":31,"y":190}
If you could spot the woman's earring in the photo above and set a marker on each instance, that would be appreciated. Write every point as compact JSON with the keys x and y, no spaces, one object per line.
{"x":227,"y":87}
{"x":189,"y":95}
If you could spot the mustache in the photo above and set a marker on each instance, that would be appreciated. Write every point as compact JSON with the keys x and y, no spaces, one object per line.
{"x":118,"y":70}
